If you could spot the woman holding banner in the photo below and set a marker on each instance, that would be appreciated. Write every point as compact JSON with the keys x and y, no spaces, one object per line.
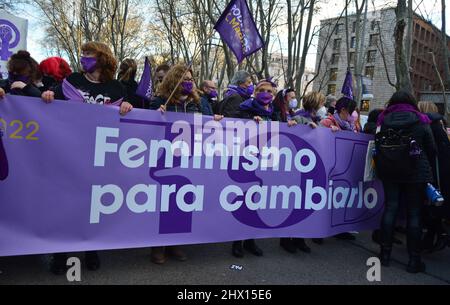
{"x":23,"y":74}
{"x":176,"y":93}
{"x":258,"y":108}
{"x":94,"y":85}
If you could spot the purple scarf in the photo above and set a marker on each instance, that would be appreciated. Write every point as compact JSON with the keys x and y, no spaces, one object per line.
{"x":253,"y":105}
{"x":232,"y":89}
{"x":345,"y":125}
{"x":403,"y":108}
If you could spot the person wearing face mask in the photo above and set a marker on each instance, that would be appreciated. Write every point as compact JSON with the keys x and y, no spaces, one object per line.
{"x":312,"y":102}
{"x":258,"y":108}
{"x":284,"y":104}
{"x":240,"y":89}
{"x":209,"y":97}
{"x":23,"y":74}
{"x":185,"y":97}
{"x":340,"y":120}
{"x":54,"y":70}
{"x":354,"y":120}
{"x":96,"y":83}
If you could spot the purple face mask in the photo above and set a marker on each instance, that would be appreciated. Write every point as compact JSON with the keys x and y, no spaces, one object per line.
{"x":264,"y":98}
{"x":187,"y":87}
{"x":250,"y":89}
{"x":88,"y":64}
{"x":213,"y":94}
{"x":18,"y":78}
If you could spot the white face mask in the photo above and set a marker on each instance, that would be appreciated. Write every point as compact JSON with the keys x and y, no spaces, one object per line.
{"x":293,"y":104}
{"x":322,"y":112}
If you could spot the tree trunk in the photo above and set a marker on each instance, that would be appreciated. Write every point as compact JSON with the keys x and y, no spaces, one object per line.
{"x":401,"y":60}
{"x":445,"y":51}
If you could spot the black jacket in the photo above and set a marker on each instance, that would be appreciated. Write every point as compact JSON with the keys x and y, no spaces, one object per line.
{"x":409,"y":122}
{"x":442,"y":145}
{"x":229,"y":106}
{"x":370,"y":128}
{"x":189,"y":107}
{"x":131,"y":87}
{"x":28,"y":90}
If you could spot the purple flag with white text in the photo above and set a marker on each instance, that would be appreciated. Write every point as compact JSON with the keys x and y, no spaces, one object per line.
{"x":238,"y":30}
{"x":145,"y":87}
{"x":347,"y":88}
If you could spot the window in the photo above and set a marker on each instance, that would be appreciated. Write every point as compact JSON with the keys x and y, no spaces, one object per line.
{"x":334,"y":59}
{"x":354,"y":27}
{"x":353,"y":43}
{"x":331,"y":90}
{"x":374,"y":25}
{"x":374,"y":40}
{"x":337,"y":44}
{"x":333,"y":74}
{"x":352,"y":58}
{"x":371,"y":56}
{"x":370,"y":72}
{"x":339,"y":28}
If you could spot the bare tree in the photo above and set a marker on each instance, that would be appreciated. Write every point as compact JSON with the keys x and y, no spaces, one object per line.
{"x":401,"y":59}
{"x":445,"y":51}
{"x":117,"y":23}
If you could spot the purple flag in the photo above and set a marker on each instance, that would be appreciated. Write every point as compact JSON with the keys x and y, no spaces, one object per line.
{"x":238,"y":30}
{"x":145,"y":87}
{"x":347,"y":88}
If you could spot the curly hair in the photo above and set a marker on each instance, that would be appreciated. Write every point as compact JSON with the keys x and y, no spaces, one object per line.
{"x":105,"y":59}
{"x":170,"y":82}
{"x":21,"y":63}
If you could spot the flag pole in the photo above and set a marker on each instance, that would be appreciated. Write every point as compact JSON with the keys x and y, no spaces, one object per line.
{"x":196,"y":52}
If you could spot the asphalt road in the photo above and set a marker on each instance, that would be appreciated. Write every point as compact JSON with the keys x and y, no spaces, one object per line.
{"x":334,"y":262}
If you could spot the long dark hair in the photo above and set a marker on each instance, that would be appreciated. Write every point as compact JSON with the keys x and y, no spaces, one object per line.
{"x":280,"y":103}
{"x":403,"y":97}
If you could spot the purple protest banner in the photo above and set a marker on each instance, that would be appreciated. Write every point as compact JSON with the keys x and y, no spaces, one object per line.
{"x":347,"y":87}
{"x":82,"y":177}
{"x":238,"y":30}
{"x":145,"y":87}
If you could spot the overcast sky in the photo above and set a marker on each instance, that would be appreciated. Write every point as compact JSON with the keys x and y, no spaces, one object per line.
{"x":428,"y":8}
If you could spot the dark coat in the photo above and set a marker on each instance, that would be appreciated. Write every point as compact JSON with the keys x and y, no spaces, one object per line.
{"x":189,"y":107}
{"x":443,"y":152}
{"x":206,"y":105}
{"x":229,"y":106}
{"x":29,"y":90}
{"x":131,"y":87}
{"x":409,"y":122}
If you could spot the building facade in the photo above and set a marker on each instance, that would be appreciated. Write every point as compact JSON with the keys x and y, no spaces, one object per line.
{"x":378,"y":56}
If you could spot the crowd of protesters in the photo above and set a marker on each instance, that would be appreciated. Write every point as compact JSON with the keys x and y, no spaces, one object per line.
{"x":102,"y":80}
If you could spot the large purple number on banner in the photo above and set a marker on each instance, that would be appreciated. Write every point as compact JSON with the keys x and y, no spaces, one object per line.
{"x":252,"y":218}
{"x":7,"y":29}
{"x":174,"y":221}
{"x":3,"y":159}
